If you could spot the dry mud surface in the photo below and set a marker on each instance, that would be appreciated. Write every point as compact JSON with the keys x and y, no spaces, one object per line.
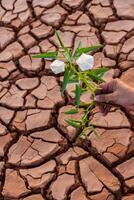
{"x":40,"y":156}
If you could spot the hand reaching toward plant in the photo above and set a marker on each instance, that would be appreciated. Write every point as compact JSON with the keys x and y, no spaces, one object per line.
{"x":115,"y":92}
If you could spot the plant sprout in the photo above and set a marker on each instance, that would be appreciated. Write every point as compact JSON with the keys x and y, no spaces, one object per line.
{"x":78,"y":69}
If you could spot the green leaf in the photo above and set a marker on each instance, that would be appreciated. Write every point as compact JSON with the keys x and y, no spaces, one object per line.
{"x":78,"y":94}
{"x":81,"y":92}
{"x":97,"y":74}
{"x":84,"y":120}
{"x":67,"y":52}
{"x":60,"y":41}
{"x":71,"y":111}
{"x":73,"y":79}
{"x":94,"y":77}
{"x":76,"y":51}
{"x":47,"y":55}
{"x":100,"y":71}
{"x":90,"y":49}
{"x":84,"y":90}
{"x":77,"y":121}
{"x":74,"y":123}
{"x":67,"y":75}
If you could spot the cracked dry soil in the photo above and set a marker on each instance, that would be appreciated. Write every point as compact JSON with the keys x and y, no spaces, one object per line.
{"x":40,"y":156}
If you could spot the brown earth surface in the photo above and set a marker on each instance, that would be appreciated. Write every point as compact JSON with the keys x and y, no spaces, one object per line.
{"x":40,"y":155}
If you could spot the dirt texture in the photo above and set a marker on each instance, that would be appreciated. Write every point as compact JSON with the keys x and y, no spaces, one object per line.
{"x":41,"y":156}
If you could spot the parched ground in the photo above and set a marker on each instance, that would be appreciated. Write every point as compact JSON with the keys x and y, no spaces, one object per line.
{"x":40,"y":156}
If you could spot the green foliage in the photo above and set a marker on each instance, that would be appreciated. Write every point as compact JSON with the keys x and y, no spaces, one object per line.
{"x":73,"y":79}
{"x":46,"y":55}
{"x":72,"y":111}
{"x":78,"y":91}
{"x":97,"y":74}
{"x":90,"y":49}
{"x":66,"y":78}
{"x":76,"y":51}
{"x":66,"y":50}
{"x":74,"y":123}
{"x":88,"y":80}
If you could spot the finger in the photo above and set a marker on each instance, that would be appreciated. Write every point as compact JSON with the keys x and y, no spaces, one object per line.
{"x":130,"y":108}
{"x":104,"y":108}
{"x":101,"y":89}
{"x":106,"y":98}
{"x":101,"y":107}
{"x":106,"y":87}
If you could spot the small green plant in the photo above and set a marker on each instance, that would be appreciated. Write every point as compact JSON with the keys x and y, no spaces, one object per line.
{"x":77,"y":67}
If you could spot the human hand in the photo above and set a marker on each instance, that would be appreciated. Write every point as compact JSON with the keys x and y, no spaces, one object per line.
{"x":115,"y":92}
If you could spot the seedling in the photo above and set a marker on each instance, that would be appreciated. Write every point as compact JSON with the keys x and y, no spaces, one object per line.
{"x":78,"y":69}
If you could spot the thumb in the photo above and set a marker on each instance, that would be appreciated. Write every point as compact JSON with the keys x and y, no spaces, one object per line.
{"x":106,"y":98}
{"x":104,"y":108}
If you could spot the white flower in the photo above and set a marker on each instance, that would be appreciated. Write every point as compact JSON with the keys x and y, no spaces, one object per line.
{"x":57,"y":66}
{"x":85,"y":62}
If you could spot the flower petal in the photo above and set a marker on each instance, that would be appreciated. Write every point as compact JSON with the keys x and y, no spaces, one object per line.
{"x":85,"y":62}
{"x":57,"y":66}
